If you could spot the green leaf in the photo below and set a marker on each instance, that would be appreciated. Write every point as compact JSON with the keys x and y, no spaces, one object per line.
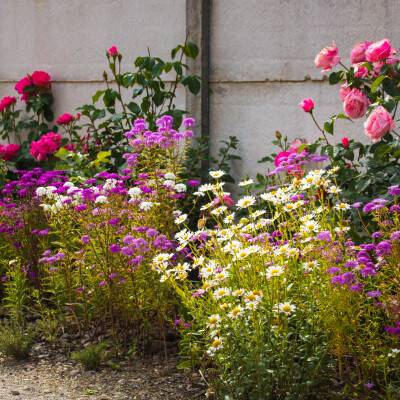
{"x":191,"y":50}
{"x":175,"y":50}
{"x":376,"y":83}
{"x":335,"y":77}
{"x":97,"y":96}
{"x":134,"y":107}
{"x":102,"y":156}
{"x":192,"y":82}
{"x":62,"y":153}
{"x":328,"y":127}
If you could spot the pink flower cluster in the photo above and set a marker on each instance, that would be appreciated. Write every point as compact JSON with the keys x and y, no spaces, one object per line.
{"x":6,"y":102}
{"x":8,"y":152}
{"x":46,"y":145}
{"x":38,"y":79}
{"x":67,"y":118}
{"x":355,"y":100}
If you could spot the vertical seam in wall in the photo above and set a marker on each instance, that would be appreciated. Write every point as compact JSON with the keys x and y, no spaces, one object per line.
{"x":205,"y":75}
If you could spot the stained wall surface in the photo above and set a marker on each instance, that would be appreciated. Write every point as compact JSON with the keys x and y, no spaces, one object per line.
{"x":262,"y":55}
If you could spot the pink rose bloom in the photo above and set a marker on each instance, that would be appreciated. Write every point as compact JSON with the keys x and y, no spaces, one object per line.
{"x":9,"y":151}
{"x":22,"y":84}
{"x":47,"y":144}
{"x":327,"y":58}
{"x":41,"y":78}
{"x":360,"y":71}
{"x":378,"y":124}
{"x":378,"y":51}
{"x":65,"y":119}
{"x":113,"y":51}
{"x":295,"y":144}
{"x":6,"y":102}
{"x":344,"y":91}
{"x":345,"y":142}
{"x":355,"y":104}
{"x":307,"y":105}
{"x":357,"y":54}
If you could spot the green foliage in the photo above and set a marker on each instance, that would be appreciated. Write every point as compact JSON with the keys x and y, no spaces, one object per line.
{"x":15,"y":342}
{"x":91,"y":357}
{"x":140,"y":93}
{"x":16,"y":294}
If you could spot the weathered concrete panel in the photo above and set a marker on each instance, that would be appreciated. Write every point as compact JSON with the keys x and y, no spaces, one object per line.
{"x":69,"y":38}
{"x":70,"y":95}
{"x":253,"y":112}
{"x":259,"y":40}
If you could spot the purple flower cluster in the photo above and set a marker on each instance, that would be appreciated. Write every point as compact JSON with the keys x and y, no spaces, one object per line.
{"x":165,"y":136}
{"x":51,"y":259}
{"x":292,"y":162}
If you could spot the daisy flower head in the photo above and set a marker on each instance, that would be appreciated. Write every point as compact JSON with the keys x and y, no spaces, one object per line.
{"x":213,"y":321}
{"x":342,"y":206}
{"x":181,"y":219}
{"x":246,"y":202}
{"x":273,"y":271}
{"x":285,"y":308}
{"x":221,"y":292}
{"x":235,"y":312}
{"x":246,"y":182}
{"x":216,"y":344}
{"x":217,"y":174}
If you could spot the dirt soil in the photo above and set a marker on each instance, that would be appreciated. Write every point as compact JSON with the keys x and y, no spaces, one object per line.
{"x":56,"y":377}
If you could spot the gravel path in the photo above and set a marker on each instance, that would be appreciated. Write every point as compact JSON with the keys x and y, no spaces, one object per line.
{"x":52,"y":379}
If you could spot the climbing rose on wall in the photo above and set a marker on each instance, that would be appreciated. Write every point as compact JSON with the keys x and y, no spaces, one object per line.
{"x":65,"y":119}
{"x":6,"y":102}
{"x":327,"y":58}
{"x":46,"y":145}
{"x":378,"y":124}
{"x":357,"y":54}
{"x":355,"y":104}
{"x":8,"y":152}
{"x":41,"y":78}
{"x":113,"y":51}
{"x":378,"y":51}
{"x":307,"y":105}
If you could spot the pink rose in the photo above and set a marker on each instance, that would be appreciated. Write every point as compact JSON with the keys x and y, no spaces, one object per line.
{"x":344,"y":91}
{"x":378,"y":124}
{"x":47,"y":144}
{"x":113,"y":51}
{"x":360,"y":71}
{"x":6,"y":102}
{"x":355,"y":104}
{"x":327,"y":58}
{"x":307,"y":105}
{"x":345,"y":142}
{"x":9,"y":151}
{"x":65,"y":119}
{"x":378,"y":51}
{"x":295,"y":144}
{"x":41,"y":78}
{"x":357,"y":54}
{"x":22,"y":84}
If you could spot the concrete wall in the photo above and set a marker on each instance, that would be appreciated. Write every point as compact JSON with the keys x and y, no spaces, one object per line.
{"x":262,"y":54}
{"x":69,"y":38}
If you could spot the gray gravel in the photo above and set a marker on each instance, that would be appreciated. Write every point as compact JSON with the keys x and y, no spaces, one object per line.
{"x":62,"y":379}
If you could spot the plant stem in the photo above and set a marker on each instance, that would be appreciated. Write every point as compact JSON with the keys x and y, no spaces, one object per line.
{"x":317,"y":125}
